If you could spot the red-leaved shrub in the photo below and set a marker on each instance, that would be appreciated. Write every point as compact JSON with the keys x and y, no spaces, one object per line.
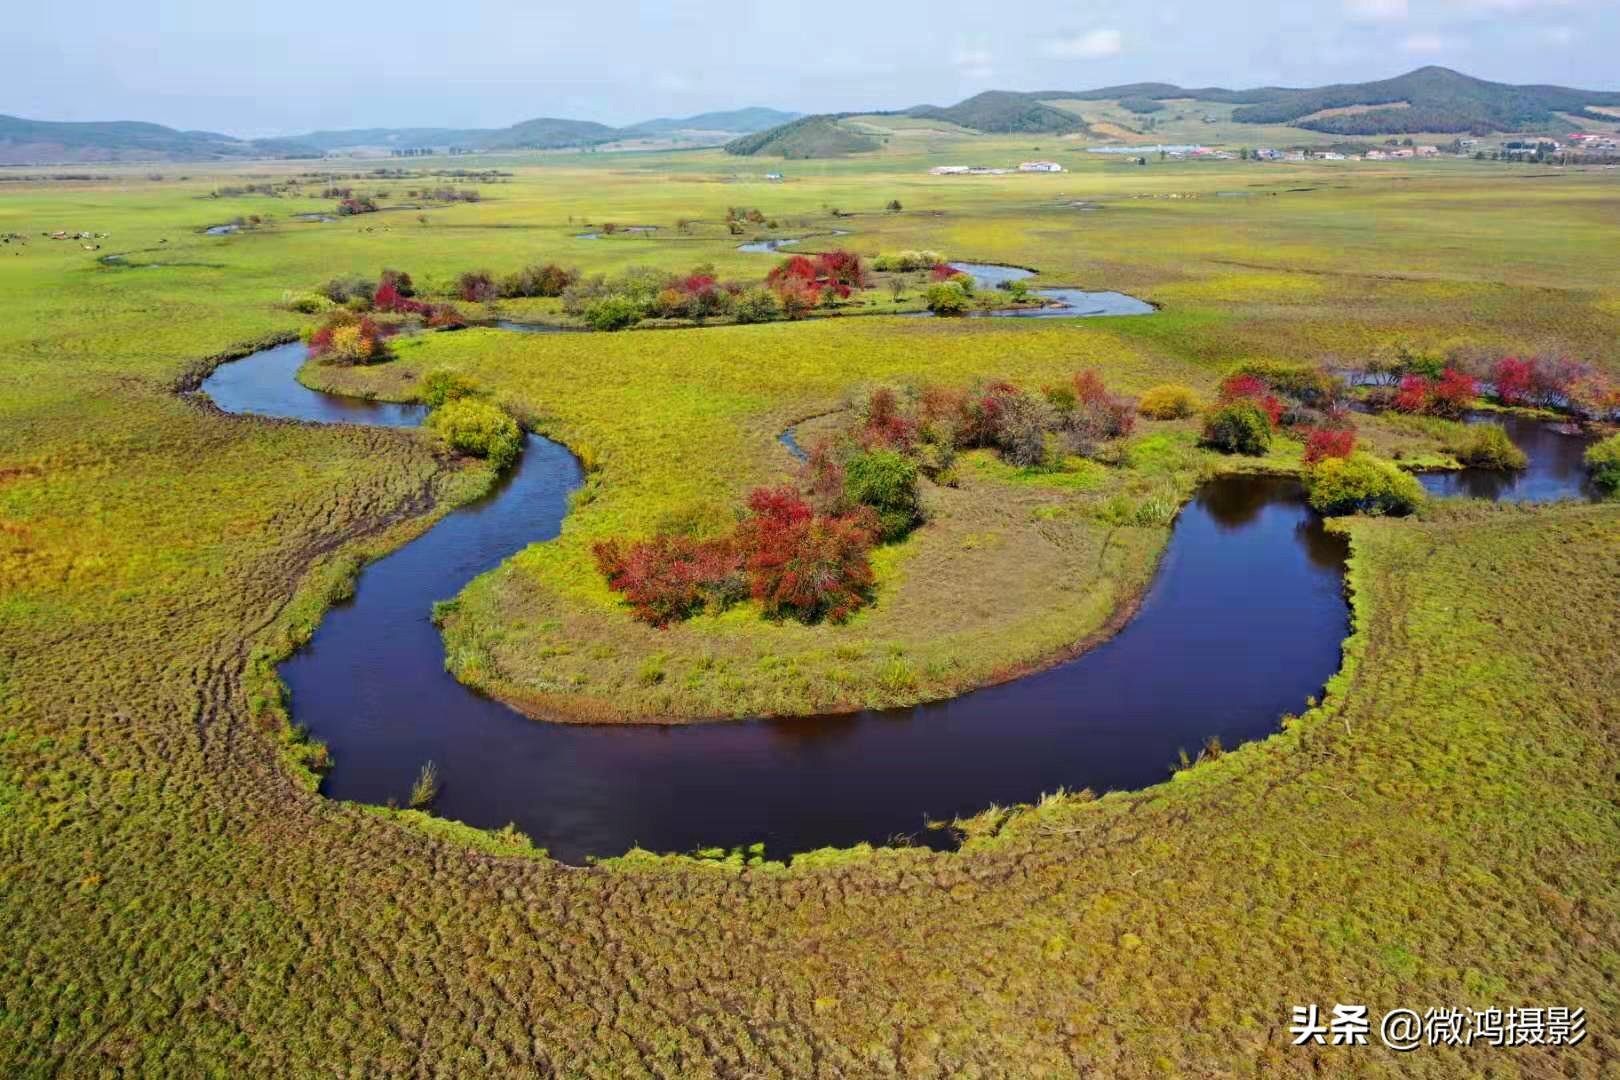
{"x":668,"y":578}
{"x":811,"y":566}
{"x":1454,"y":393}
{"x":885,"y":425}
{"x":1238,"y":387}
{"x":1329,"y":443}
{"x":1450,"y":395}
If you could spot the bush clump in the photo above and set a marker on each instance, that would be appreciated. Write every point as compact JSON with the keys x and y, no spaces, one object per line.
{"x":479,"y":428}
{"x":907,"y":261}
{"x":886,"y":481}
{"x":443,"y":385}
{"x":672,"y":577}
{"x":1487,"y":446}
{"x":477,"y":287}
{"x":612,"y":313}
{"x":1603,"y":461}
{"x":757,"y":305}
{"x":1240,"y":426}
{"x":537,"y":280}
{"x":347,"y":338}
{"x":793,"y":561}
{"x":806,"y":565}
{"x":341,"y":290}
{"x":946,"y":297}
{"x":1169,"y":401}
{"x":1361,"y":484}
{"x":309,"y":303}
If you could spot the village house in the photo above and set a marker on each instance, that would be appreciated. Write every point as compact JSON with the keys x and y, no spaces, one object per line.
{"x":1039,"y":166}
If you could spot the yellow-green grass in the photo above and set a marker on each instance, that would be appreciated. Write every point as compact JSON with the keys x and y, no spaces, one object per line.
{"x":179,"y":904}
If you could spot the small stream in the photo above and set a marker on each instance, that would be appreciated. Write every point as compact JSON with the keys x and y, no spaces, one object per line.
{"x":1207,"y":654}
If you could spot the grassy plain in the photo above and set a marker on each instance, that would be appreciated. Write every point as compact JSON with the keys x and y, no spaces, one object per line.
{"x":1442,"y":831}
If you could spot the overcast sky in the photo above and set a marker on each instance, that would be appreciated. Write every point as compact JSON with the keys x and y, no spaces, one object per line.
{"x":258,"y":69}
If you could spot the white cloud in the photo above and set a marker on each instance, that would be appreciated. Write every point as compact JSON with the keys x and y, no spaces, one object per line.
{"x":1425,"y":44}
{"x":1093,"y":45}
{"x":1376,"y":10}
{"x":1557,"y":35}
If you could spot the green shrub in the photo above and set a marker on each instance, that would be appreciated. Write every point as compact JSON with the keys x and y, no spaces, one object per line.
{"x":612,"y":313}
{"x":340,"y":290}
{"x":1238,"y":427}
{"x":443,"y":385}
{"x":471,"y":426}
{"x":1487,"y":446}
{"x":1603,"y":459}
{"x":906,"y":261}
{"x":946,"y":298}
{"x":1168,"y":401}
{"x":1363,"y":484}
{"x":758,"y":305}
{"x":887,"y":482}
{"x":308,"y":303}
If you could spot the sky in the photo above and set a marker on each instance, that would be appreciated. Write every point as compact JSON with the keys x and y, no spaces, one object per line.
{"x":258,"y":69}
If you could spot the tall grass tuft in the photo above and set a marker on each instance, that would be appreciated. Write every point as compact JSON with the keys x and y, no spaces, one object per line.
{"x":426,"y":788}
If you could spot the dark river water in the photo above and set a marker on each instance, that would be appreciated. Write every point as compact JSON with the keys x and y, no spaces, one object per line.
{"x":1243,"y":621}
{"x":1556,"y":471}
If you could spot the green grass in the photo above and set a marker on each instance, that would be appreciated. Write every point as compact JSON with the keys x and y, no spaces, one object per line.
{"x":179,"y":902}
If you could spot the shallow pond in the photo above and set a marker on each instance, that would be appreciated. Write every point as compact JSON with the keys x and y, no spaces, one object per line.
{"x":1075,"y":303}
{"x":1207,"y":654}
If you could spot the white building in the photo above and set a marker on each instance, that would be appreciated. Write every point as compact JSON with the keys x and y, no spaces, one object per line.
{"x":1039,"y":166}
{"x":948,"y":170}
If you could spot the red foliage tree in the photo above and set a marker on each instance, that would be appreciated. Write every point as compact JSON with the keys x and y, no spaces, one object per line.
{"x":793,"y":268}
{"x":841,"y":269}
{"x":1329,"y":443}
{"x":942,"y":272}
{"x":1454,"y":393}
{"x":1512,"y":377}
{"x":1416,"y":395}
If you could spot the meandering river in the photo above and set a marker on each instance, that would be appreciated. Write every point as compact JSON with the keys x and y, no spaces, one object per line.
{"x":1243,"y":620}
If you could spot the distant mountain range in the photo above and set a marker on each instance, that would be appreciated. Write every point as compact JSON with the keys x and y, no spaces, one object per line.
{"x":29,"y":142}
{"x":1432,"y":100}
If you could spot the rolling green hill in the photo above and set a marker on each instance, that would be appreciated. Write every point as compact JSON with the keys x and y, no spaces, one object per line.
{"x":1004,"y":112}
{"x":1432,"y":99}
{"x":1429,"y":99}
{"x":27,"y":142}
{"x":807,"y":137}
